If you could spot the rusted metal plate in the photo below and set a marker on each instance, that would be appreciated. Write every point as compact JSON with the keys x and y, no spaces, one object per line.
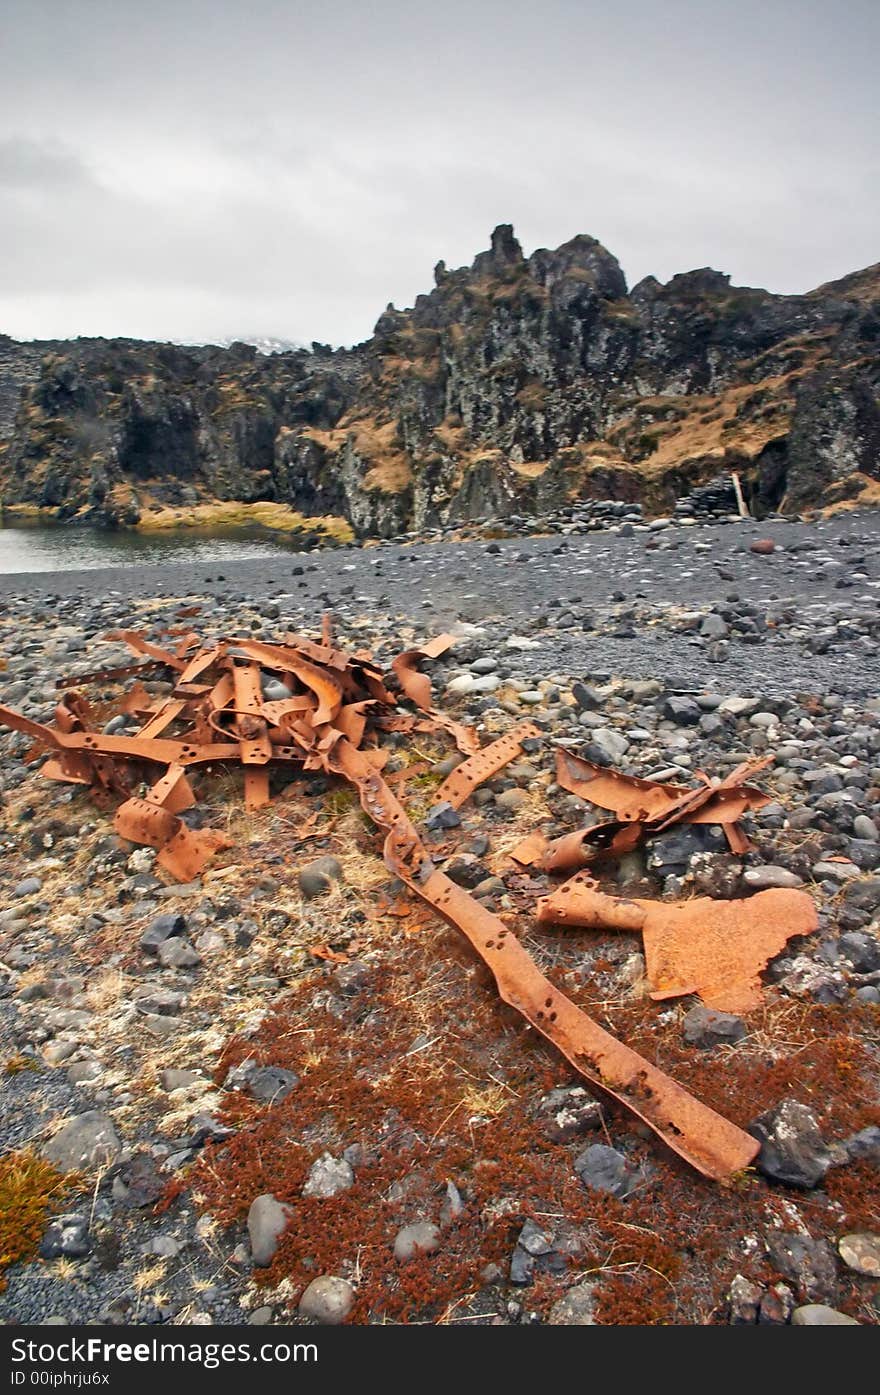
{"x":108,"y":675}
{"x":140,"y":645}
{"x":53,"y":769}
{"x":163,"y":719}
{"x":716,"y":949}
{"x":141,"y":821}
{"x":529,"y":850}
{"x":256,"y":788}
{"x":465,"y":778}
{"x":186,"y":855}
{"x":625,"y":795}
{"x":173,"y":791}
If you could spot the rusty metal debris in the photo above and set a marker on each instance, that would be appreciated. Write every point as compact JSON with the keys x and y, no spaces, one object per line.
{"x":310,"y":705}
{"x":641,"y":807}
{"x":713,"y":948}
{"x":464,"y":779}
{"x":712,"y":1144}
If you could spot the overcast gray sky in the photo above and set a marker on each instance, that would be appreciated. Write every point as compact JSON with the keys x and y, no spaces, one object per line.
{"x":199,"y":169}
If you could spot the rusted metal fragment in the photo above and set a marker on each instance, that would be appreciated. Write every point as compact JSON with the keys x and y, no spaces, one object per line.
{"x":198,"y":664}
{"x":716,"y":949}
{"x":108,"y":675}
{"x":252,"y":729}
{"x":712,"y":1145}
{"x":136,"y":701}
{"x":466,"y":739}
{"x":10,"y":718}
{"x":464,"y":779}
{"x":173,"y":791}
{"x":625,"y":795}
{"x":647,"y":806}
{"x":56,"y":768}
{"x":141,"y":645}
{"x":415,"y":685}
{"x":650,"y":802}
{"x":163,"y":719}
{"x":184,"y":852}
{"x":73,"y":713}
{"x":529,"y":850}
{"x":143,"y":821}
{"x":576,"y":849}
{"x":186,"y":855}
{"x":256,"y":788}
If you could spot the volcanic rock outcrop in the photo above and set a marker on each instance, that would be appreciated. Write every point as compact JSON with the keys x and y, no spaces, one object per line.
{"x":515,"y":385}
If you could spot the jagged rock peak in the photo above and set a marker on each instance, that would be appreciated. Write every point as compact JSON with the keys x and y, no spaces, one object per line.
{"x":504,"y":251}
{"x":582,"y":258}
{"x":703,"y":281}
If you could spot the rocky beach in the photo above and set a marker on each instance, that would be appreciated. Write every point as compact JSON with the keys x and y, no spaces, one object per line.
{"x":282,"y":1093}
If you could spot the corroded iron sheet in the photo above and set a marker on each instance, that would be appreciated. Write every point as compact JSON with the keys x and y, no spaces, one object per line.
{"x":415,"y":685}
{"x":716,"y":949}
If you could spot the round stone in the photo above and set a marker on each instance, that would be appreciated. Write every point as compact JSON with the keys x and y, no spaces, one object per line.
{"x":865,"y":827}
{"x":317,"y":878}
{"x":327,"y":1300}
{"x":89,"y":1140}
{"x":861,"y":1252}
{"x":421,"y":1238}
{"x":820,"y":1315}
{"x":267,"y":1220}
{"x":761,"y":878}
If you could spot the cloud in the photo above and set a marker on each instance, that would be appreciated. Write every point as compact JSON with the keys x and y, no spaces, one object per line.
{"x":35,"y":165}
{"x":202,"y":170}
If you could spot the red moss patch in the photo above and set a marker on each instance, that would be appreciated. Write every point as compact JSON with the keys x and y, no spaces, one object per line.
{"x":436,"y":1080}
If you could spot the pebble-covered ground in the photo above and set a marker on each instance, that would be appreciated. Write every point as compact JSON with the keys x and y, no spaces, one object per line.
{"x":291,"y":1092}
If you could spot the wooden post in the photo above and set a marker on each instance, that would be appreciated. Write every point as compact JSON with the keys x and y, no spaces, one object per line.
{"x":740,"y":501}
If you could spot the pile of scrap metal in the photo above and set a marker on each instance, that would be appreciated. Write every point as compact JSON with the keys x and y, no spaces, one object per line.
{"x":307,"y":704}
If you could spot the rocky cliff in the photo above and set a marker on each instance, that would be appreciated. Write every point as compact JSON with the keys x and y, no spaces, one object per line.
{"x":516,"y":385}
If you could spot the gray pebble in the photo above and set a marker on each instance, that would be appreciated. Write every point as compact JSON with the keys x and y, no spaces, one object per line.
{"x":820,"y":1315}
{"x":267,"y":1220}
{"x":88,"y":1141}
{"x":420,"y":1238}
{"x":327,"y":1300}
